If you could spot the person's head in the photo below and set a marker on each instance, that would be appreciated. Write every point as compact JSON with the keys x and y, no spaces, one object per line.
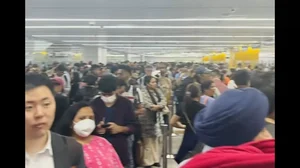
{"x":237,"y":116}
{"x":203,"y":72}
{"x":96,"y":70}
{"x":193,"y":92}
{"x":40,"y":105}
{"x":216,"y":73}
{"x":124,"y":72}
{"x":121,"y":86}
{"x":241,"y":78}
{"x":58,"y":84}
{"x":162,"y":67}
{"x":208,"y":88}
{"x":108,"y":86}
{"x":60,"y":69}
{"x":265,"y":82}
{"x":150,"y":82}
{"x":77,"y":121}
{"x":148,"y":70}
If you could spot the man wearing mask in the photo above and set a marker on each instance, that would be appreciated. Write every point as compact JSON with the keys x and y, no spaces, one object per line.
{"x":43,"y":148}
{"x":114,"y":116}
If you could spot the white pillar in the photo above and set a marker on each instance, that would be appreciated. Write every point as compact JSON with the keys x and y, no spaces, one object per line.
{"x":102,"y":55}
{"x":90,"y":54}
{"x":126,"y":57}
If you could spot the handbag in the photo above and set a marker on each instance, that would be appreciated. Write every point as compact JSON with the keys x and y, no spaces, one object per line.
{"x":165,"y":110}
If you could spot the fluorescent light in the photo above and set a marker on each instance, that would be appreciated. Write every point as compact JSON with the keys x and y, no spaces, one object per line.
{"x":149,"y":27}
{"x":90,"y":41}
{"x":147,"y":45}
{"x":146,"y":20}
{"x":141,"y":36}
{"x":50,"y":44}
{"x":153,"y":45}
{"x":178,"y":46}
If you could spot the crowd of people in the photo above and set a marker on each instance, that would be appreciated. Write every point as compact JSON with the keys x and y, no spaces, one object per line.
{"x":87,"y":115}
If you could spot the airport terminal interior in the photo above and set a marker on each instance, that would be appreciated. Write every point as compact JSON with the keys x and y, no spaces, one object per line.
{"x":131,"y":42}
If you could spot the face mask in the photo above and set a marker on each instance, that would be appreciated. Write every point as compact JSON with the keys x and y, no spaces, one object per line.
{"x":84,"y":127}
{"x":109,"y":99}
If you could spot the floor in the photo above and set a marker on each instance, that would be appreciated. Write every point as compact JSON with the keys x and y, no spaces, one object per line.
{"x":176,"y":141}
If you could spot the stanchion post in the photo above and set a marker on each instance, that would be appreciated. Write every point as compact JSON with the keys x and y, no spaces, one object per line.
{"x":170,"y":142}
{"x":165,"y":144}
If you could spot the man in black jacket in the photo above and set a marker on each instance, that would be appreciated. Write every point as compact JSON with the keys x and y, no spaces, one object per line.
{"x":50,"y":150}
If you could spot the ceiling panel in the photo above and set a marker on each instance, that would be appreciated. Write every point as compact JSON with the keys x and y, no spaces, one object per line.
{"x":154,"y":9}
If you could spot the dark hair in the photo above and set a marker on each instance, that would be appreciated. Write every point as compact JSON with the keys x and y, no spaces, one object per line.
{"x":147,"y":79}
{"x":64,"y":124}
{"x":125,"y":68}
{"x":113,"y":69}
{"x":148,"y":67}
{"x":241,"y":77}
{"x":61,"y":67}
{"x":95,"y":66}
{"x":34,"y":80}
{"x":192,"y":91}
{"x":205,"y":85}
{"x":121,"y":82}
{"x":107,"y":84}
{"x":90,"y":79}
{"x":265,"y":82}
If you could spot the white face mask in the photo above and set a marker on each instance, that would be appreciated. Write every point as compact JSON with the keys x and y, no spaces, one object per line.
{"x":84,"y":127}
{"x":109,"y":99}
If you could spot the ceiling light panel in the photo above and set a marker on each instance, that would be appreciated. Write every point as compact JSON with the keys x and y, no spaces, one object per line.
{"x":145,"y":20}
{"x":145,"y":36}
{"x":149,"y":27}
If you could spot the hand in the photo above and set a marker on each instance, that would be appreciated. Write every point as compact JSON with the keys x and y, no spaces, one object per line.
{"x":140,"y":111}
{"x":101,"y":130}
{"x":114,"y":128}
{"x":156,"y":107}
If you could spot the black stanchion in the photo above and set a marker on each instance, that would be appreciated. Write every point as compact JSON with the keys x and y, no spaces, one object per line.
{"x":164,"y":128}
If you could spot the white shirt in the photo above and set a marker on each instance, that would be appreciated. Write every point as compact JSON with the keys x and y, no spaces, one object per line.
{"x":43,"y":159}
{"x":129,"y":94}
{"x":231,"y":85}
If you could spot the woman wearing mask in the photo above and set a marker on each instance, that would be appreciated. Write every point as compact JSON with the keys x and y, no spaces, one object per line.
{"x":154,"y":102}
{"x":78,"y":122}
{"x":190,"y":108}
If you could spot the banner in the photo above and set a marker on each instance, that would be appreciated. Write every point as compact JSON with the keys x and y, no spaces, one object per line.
{"x":247,"y":56}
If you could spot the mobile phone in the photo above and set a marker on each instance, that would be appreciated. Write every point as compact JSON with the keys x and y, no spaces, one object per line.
{"x":105,"y":125}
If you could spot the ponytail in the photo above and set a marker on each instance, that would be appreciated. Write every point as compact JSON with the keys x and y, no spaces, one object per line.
{"x":187,"y":98}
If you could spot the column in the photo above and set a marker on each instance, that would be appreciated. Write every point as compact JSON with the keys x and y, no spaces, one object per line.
{"x":102,"y":55}
{"x":90,"y":53}
{"x":95,"y":54}
{"x":142,"y":58}
{"x":126,"y":57}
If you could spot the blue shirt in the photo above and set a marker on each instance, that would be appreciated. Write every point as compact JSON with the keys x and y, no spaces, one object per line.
{"x":206,"y":100}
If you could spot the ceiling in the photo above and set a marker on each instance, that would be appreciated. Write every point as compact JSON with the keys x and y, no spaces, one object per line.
{"x":141,"y":27}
